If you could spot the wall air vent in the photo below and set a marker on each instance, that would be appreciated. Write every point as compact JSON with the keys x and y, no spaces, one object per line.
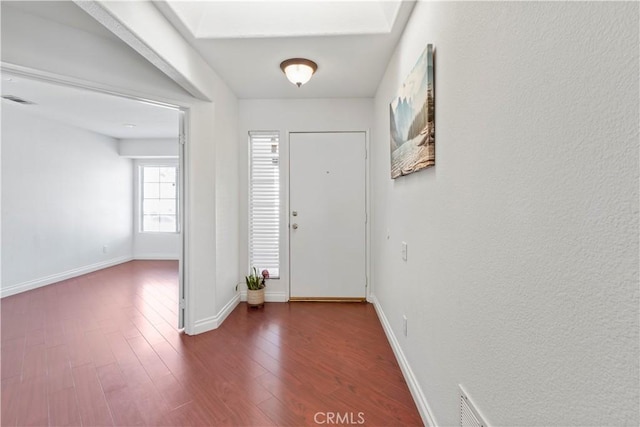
{"x":469,"y":415}
{"x":17,"y":99}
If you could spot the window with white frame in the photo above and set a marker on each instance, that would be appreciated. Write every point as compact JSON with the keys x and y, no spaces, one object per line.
{"x":264,"y":202}
{"x":159,"y":197}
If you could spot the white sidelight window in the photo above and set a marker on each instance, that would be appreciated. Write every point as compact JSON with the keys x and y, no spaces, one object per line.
{"x":264,"y":202}
{"x":159,"y":199}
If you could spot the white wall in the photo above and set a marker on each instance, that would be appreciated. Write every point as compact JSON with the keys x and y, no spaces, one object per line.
{"x":152,"y":245}
{"x":152,"y":148}
{"x":227,"y":203}
{"x":154,"y":152}
{"x":521,"y":282}
{"x":65,"y":194}
{"x":289,"y":115}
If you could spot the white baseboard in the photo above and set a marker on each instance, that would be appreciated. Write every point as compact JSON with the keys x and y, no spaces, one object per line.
{"x":145,"y":257}
{"x":58,"y":277}
{"x":268,"y":296}
{"x":412,"y":381}
{"x":213,"y":322}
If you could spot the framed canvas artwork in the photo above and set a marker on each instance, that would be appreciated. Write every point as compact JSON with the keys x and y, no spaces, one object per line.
{"x":412,"y":111}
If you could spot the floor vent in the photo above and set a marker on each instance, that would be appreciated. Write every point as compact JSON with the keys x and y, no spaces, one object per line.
{"x":17,"y":99}
{"x":469,"y":416}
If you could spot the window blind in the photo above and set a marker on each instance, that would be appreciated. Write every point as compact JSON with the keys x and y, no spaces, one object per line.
{"x":264,"y":202}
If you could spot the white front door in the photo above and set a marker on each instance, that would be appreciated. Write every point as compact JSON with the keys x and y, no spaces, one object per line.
{"x":327,"y":215}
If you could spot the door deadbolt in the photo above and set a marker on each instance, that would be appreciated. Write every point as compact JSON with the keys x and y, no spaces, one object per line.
{"x":294,"y":213}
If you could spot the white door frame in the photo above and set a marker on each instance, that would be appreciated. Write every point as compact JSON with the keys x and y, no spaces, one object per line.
{"x":286,"y":208}
{"x":183,"y":122}
{"x":184,"y":311}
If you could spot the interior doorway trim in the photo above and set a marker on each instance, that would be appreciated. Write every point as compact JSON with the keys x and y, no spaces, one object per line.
{"x":58,"y":79}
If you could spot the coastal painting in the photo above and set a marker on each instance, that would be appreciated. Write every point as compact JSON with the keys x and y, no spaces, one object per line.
{"x":413,"y":145}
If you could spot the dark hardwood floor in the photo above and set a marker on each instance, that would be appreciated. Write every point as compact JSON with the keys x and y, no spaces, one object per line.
{"x":103,"y":349}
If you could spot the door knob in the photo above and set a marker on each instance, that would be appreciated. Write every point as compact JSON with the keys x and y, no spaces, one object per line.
{"x":294,"y":226}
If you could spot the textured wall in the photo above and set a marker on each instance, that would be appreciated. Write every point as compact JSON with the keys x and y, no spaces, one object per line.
{"x":522,"y":276}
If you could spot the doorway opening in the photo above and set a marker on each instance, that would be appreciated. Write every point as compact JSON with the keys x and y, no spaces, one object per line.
{"x":78,"y":190}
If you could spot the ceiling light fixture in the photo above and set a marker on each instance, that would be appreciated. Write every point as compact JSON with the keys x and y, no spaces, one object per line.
{"x":298,"y":70}
{"x":129,"y":125}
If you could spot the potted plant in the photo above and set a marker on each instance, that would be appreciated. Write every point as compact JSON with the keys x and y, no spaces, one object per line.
{"x":255,"y":287}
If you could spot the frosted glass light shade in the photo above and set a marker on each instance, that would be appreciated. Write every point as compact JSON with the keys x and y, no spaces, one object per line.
{"x":298,"y":70}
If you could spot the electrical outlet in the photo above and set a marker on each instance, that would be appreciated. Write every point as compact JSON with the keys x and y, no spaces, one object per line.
{"x":105,"y":249}
{"x":236,"y":288}
{"x":404,"y":325}
{"x":404,"y":251}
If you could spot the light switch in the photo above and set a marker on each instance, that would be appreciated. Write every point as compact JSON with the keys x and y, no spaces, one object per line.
{"x":404,"y":251}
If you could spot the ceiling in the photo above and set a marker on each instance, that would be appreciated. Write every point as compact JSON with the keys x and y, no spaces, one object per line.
{"x":245,"y":42}
{"x":93,"y":111}
{"x":276,"y":18}
{"x":62,"y":12}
